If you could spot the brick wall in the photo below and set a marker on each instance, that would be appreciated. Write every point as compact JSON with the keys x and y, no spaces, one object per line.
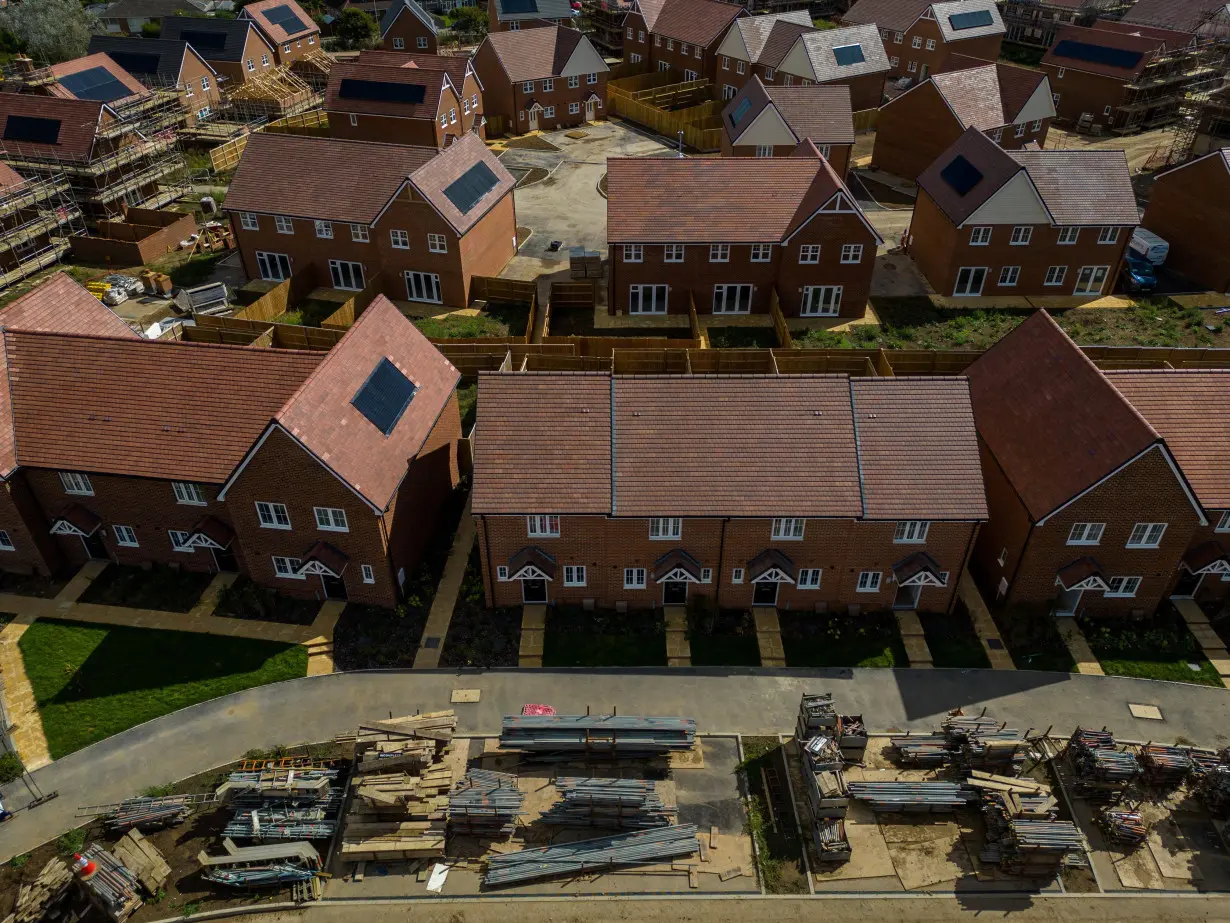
{"x":681,"y":57}
{"x":35,"y":550}
{"x":1190,"y":208}
{"x":424,"y":132}
{"x":289,"y":52}
{"x":499,"y":26}
{"x":929,"y":61}
{"x":1080,"y":93}
{"x":561,"y":97}
{"x":839,"y":154}
{"x":410,"y":29}
{"x":194,"y":71}
{"x":1213,"y":587}
{"x":1003,"y":537}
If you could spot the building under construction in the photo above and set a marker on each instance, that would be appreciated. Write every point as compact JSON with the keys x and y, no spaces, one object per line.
{"x":1202,"y":122}
{"x":37,"y":218}
{"x":1036,"y":22}
{"x":602,"y":21}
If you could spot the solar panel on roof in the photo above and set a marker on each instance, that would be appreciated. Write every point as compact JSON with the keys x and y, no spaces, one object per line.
{"x":136,"y":62}
{"x":740,"y":111}
{"x":376,"y":91}
{"x":205,"y":43}
{"x":1098,"y":54}
{"x":96,"y":84}
{"x":285,"y":17}
{"x":849,"y":54}
{"x":961,"y":175}
{"x":518,"y":7}
{"x":32,"y":128}
{"x":972,"y":20}
{"x":471,"y":186}
{"x":384,"y":397}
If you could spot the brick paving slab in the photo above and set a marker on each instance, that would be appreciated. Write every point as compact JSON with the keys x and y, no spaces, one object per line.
{"x":445,"y":600}
{"x":1208,"y":638}
{"x":26,"y":728}
{"x":984,"y":625}
{"x":678,"y":648}
{"x":1191,"y":611}
{"x":1072,"y":636}
{"x":916,"y":649}
{"x":908,"y":623}
{"x":533,"y":617}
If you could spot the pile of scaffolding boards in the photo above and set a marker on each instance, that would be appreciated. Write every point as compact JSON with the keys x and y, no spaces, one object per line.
{"x":1102,"y":770}
{"x":914,"y":797}
{"x":641,"y":847}
{"x":283,"y":800}
{"x":618,"y":803}
{"x":485,"y":804}
{"x":965,"y":743}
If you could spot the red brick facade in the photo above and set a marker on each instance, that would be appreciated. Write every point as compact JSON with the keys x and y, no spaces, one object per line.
{"x":1078,"y":93}
{"x":449,"y":122}
{"x":516,"y":25}
{"x":410,"y":34}
{"x":663,"y":53}
{"x":556,"y":102}
{"x":930,"y":55}
{"x":1190,"y":208}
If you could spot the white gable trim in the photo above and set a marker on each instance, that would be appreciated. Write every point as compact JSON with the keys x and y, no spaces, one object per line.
{"x":677,"y":574}
{"x":198,"y":540}
{"x":1040,"y":105}
{"x":839,"y":197}
{"x":315,"y":567}
{"x":64,"y":527}
{"x":584,"y":60}
{"x":529,"y":572}
{"x":923,"y":578}
{"x":1092,"y":582}
{"x":797,"y":61}
{"x":1015,"y":202}
{"x":773,"y":575}
{"x":767,"y":128}
{"x":1220,"y":566}
{"x":734,"y":45}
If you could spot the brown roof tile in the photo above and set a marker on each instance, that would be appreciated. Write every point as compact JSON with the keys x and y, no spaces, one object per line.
{"x":986,"y":96}
{"x":435,"y":176}
{"x":1191,"y":409}
{"x":821,"y":113}
{"x":78,"y":120}
{"x":778,"y":30}
{"x":1102,"y":38}
{"x":1181,"y":15}
{"x":454,"y":65}
{"x":432,"y":83}
{"x":321,"y":417}
{"x":1053,"y":421}
{"x":1082,"y":187}
{"x":110,"y":428}
{"x":698,"y":22}
{"x":10,"y":179}
{"x":986,"y":156}
{"x":258,"y":11}
{"x":897,"y":15}
{"x":532,"y":54}
{"x":919,"y":449}
{"x":542,"y":443}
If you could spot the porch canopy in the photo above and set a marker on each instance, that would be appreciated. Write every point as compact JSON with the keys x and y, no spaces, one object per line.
{"x":1082,"y":574}
{"x":1207,"y":558}
{"x":770,"y":566}
{"x":76,"y":520}
{"x":918,"y":569}
{"x":531,"y":564}
{"x":325,"y":560}
{"x":211,"y":532}
{"x":676,"y":565}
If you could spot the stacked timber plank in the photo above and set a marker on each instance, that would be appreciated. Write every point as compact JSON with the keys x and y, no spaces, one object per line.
{"x":613,"y":803}
{"x":604,"y":736}
{"x":641,"y":847}
{"x":485,"y":804}
{"x":47,"y":897}
{"x":142,"y":858}
{"x":408,"y":743}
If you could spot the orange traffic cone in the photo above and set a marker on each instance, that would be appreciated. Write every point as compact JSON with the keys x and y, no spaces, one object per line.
{"x":84,"y":868}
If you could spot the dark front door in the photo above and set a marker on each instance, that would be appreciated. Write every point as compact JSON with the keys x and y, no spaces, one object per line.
{"x":224,"y":560}
{"x":335,"y":587}
{"x":675,"y":593}
{"x":534,"y":591}
{"x":94,"y":546}
{"x":1187,"y":585}
{"x":765,"y":594}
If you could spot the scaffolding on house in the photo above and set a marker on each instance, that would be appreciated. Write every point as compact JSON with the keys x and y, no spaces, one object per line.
{"x":1037,"y":22}
{"x":37,"y":219}
{"x":1153,"y":99}
{"x":602,"y":21}
{"x":313,"y":68}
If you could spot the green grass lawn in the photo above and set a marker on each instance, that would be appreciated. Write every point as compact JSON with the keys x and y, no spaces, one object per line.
{"x":460,"y":327}
{"x":602,"y":638}
{"x":953,"y":641}
{"x":1157,"y":648}
{"x":742,"y":338}
{"x":158,"y":587}
{"x":92,"y":681}
{"x":1032,"y":639}
{"x":467,"y":403}
{"x":813,"y":639}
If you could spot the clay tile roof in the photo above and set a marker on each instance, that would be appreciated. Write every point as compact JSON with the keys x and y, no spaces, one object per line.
{"x":1204,"y":555}
{"x":914,"y":564}
{"x":1141,"y":46}
{"x":821,"y":113}
{"x":767,"y":560}
{"x":224,"y":398}
{"x":431,"y":81}
{"x":214,"y":530}
{"x":897,"y":15}
{"x":542,"y":443}
{"x":991,"y":161}
{"x":946,"y":11}
{"x":276,"y":32}
{"x":143,"y":57}
{"x":1181,"y":15}
{"x":323,"y":178}
{"x":1082,"y":187}
{"x":819,"y":47}
{"x":10,"y":179}
{"x":1172,"y":37}
{"x":987,"y":96}
{"x":533,"y":54}
{"x":321,"y":417}
{"x":756,"y":30}
{"x":99,"y":59}
{"x":695,"y":446}
{"x":433,"y":179}
{"x":1191,"y":409}
{"x":919,"y":449}
{"x":411,"y":8}
{"x":697,"y":22}
{"x":83,"y":520}
{"x":531,"y":557}
{"x":1052,"y":420}
{"x":326,"y":556}
{"x":78,"y":122}
{"x":457,"y":67}
{"x":676,"y":558}
{"x":780,"y":39}
{"x":733,"y":199}
{"x":1079,"y":571}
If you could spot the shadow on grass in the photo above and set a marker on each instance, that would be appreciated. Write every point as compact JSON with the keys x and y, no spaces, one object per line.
{"x":603,"y":638}
{"x":813,"y":639}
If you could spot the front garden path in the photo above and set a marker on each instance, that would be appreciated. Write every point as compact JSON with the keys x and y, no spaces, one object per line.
{"x":1210,"y":641}
{"x":914,"y":639}
{"x":984,"y":625}
{"x":1078,"y":646}
{"x":445,"y":600}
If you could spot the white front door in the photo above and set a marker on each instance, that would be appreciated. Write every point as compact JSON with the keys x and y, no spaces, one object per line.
{"x":728,"y":92}
{"x":970,"y":280}
{"x":1067,"y":603}
{"x":534,"y":119}
{"x":273,"y":267}
{"x":821,"y":301}
{"x":647,"y":299}
{"x":589,"y":110}
{"x":422,"y":286}
{"x":1090,"y":279}
{"x":732,"y":299}
{"x":346,"y":275}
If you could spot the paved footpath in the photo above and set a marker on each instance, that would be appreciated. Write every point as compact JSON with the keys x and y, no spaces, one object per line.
{"x":317,"y":708}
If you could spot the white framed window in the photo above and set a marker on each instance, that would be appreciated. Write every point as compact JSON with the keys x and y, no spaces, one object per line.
{"x":283,"y":224}
{"x":204,"y":112}
{"x":331,"y":519}
{"x":633,"y":253}
{"x":76,"y":483}
{"x":1086,"y":533}
{"x":821,"y":301}
{"x":264,"y":60}
{"x":574,"y":81}
{"x":630,"y":32}
{"x":272,"y":515}
{"x":1106,"y":110}
{"x":514,"y":27}
{"x":789,"y":529}
{"x":997,"y":135}
{"x":542,"y":526}
{"x":399,"y":44}
{"x":719,"y":253}
{"x":501,"y":573}
{"x":787,"y":80}
{"x":725,"y":62}
{"x":979,"y":236}
{"x":354,"y":120}
{"x":1146,"y":535}
{"x":1008,"y":276}
{"x":898,"y":38}
{"x":1020,"y":131}
{"x":465,"y":105}
{"x":672,"y":253}
{"x":634,"y":578}
{"x":869,"y":581}
{"x":826,"y":150}
{"x":762,"y":253}
{"x":188,"y":89}
{"x":736,"y":575}
{"x":916,"y":41}
{"x":809,"y":253}
{"x":1060,"y":72}
{"x":1022,"y":234}
{"x":1223,"y":524}
{"x":670,"y":44}
{"x":527,"y":87}
{"x":251,"y":65}
{"x":740,"y":67}
{"x":684,"y":48}
{"x":657,"y":41}
{"x":360,"y":233}
{"x":421,"y":42}
{"x":452,"y":116}
{"x":437,"y":243}
{"x":324,"y":229}
{"x":1124,"y":587}
{"x":574,"y":575}
{"x":286,"y":48}
{"x":1036,"y":126}
{"x":249,"y":222}
{"x":126,"y":536}
{"x":548,"y":85}
{"x":574,"y":108}
{"x":647,"y":299}
{"x":1108,"y":236}
{"x":664,"y":529}
{"x":179,"y":541}
{"x":188,"y":493}
{"x":894,"y":61}
{"x":764,"y":150}
{"x":400,"y":240}
{"x":1055,"y":275}
{"x":931,"y":44}
{"x":911,"y":531}
{"x":809,"y":578}
{"x":549,"y":112}
{"x":474,"y":102}
{"x":1068,"y":236}
{"x":369,"y":573}
{"x":851,"y":253}
{"x":768,"y":73}
{"x":706,"y":575}
{"x":1090,"y":279}
{"x":913,"y":67}
{"x":312,"y":39}
{"x":444,"y":120}
{"x":287,"y":568}
{"x":6,"y":541}
{"x":591,"y":78}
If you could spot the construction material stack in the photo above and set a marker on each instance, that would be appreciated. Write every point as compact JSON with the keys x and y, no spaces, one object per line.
{"x":914,"y":797}
{"x":1103,"y":772}
{"x":1040,"y":848}
{"x":1024,"y":836}
{"x":273,"y":865}
{"x":1125,"y":827}
{"x":283,"y":802}
{"x":1165,"y":767}
{"x":817,"y":717}
{"x":150,"y":813}
{"x":485,"y":804}
{"x":966,"y":743}
{"x":112,"y":887}
{"x":612,"y":803}
{"x":48,"y":897}
{"x":405,"y":768}
{"x":1212,"y":782}
{"x":142,"y":858}
{"x":827,"y":741}
{"x":641,"y":847}
{"x":547,"y":738}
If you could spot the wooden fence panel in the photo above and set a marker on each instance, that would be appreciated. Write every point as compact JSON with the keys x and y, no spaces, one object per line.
{"x":866,"y":119}
{"x":490,"y":288}
{"x":784,"y":340}
{"x":650,"y":362}
{"x":573,"y":294}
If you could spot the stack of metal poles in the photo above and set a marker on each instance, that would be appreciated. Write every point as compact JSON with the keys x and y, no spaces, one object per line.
{"x":568,"y":736}
{"x":258,"y":876}
{"x":1165,"y":765}
{"x":642,"y":847}
{"x":618,"y":803}
{"x":146,"y":813}
{"x":485,"y":803}
{"x":113,"y":885}
{"x":914,"y":797}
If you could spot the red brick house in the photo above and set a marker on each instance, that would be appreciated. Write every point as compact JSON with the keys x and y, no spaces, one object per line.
{"x":460,"y":71}
{"x":772,"y":121}
{"x":287,"y":466}
{"x":540,"y":79}
{"x":1105,"y":78}
{"x":755,"y":46}
{"x":678,"y":36}
{"x":96,"y":78}
{"x":514,"y":15}
{"x":919,"y":35}
{"x":286,"y":26}
{"x":872,"y":498}
{"x":415,"y":222}
{"x":398,"y":105}
{"x":1090,"y":513}
{"x":235,"y":48}
{"x":164,"y":63}
{"x":1207,"y":18}
{"x":1189,"y":206}
{"x":732,"y":234}
{"x":995,"y":222}
{"x":406,"y":26}
{"x":1011,"y":105}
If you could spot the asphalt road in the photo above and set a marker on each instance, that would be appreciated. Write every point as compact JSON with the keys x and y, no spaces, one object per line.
{"x":722,"y":701}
